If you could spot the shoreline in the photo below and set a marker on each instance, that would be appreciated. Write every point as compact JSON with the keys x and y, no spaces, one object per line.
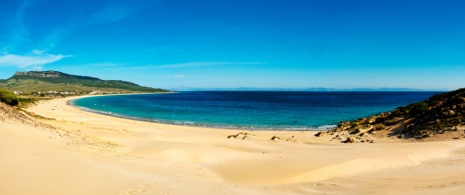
{"x":79,"y":152}
{"x":69,"y":102}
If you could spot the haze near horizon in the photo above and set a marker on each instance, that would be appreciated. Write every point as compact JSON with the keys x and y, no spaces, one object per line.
{"x":230,"y":44}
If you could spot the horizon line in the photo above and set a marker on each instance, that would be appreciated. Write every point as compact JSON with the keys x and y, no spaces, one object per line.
{"x":316,"y":89}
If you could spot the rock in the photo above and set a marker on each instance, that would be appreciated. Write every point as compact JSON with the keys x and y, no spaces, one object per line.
{"x":339,"y":137}
{"x":378,"y":127}
{"x":363,"y":130}
{"x":275,"y":138}
{"x":320,"y":133}
{"x":232,"y":136}
{"x":371,"y":120}
{"x":350,"y":140}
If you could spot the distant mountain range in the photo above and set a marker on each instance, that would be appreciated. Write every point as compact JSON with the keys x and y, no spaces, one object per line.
{"x":54,"y":82}
{"x":322,"y":89}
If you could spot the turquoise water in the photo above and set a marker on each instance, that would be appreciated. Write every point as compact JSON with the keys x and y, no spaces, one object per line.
{"x":251,"y":110}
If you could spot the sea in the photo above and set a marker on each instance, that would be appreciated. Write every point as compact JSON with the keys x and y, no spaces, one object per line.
{"x":255,"y":110}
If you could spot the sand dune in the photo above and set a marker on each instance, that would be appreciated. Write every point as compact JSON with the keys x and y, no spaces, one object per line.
{"x":87,"y":153}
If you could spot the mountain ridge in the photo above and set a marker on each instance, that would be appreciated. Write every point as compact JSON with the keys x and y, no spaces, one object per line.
{"x":34,"y":82}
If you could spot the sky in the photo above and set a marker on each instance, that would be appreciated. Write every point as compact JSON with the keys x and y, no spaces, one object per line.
{"x":180,"y":44}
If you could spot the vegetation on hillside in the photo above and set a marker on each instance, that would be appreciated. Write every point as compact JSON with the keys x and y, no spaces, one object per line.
{"x":87,"y":82}
{"x":439,"y":114}
{"x":44,"y":83}
{"x":8,"y":97}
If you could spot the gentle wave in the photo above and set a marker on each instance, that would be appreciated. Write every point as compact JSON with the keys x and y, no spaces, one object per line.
{"x":290,"y":111}
{"x":193,"y":124}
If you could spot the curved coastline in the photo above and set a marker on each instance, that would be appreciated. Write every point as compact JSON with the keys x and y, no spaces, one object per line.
{"x":188,"y":123}
{"x":88,"y":153}
{"x":276,"y":111}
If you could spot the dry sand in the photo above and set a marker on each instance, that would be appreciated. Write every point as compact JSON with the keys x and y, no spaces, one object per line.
{"x":88,"y":153}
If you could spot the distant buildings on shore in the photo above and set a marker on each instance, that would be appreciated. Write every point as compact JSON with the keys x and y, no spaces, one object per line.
{"x":101,"y":92}
{"x":63,"y":93}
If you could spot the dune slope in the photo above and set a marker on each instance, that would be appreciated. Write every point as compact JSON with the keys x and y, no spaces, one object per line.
{"x":79,"y":152}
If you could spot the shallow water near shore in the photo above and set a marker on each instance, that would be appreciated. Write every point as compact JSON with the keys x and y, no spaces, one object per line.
{"x":251,"y":110}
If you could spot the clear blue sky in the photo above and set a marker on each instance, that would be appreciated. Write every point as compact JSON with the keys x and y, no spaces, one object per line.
{"x":240,"y":43}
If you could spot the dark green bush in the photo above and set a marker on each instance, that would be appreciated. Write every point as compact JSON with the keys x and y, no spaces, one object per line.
{"x":8,"y":97}
{"x":380,"y":119}
{"x":398,"y":112}
{"x":456,"y":100}
{"x":417,"y":108}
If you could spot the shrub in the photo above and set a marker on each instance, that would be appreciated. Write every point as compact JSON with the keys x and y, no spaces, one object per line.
{"x":418,"y":108}
{"x":8,"y":97}
{"x":398,"y":112}
{"x":456,"y":100}
{"x":380,"y":119}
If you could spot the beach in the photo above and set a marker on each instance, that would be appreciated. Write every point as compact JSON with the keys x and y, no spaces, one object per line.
{"x":73,"y":151}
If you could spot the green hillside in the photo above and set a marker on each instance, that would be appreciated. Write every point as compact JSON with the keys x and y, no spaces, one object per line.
{"x":439,"y":114}
{"x":40,"y":82}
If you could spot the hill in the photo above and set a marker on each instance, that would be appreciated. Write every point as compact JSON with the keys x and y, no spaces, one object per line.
{"x":54,"y":82}
{"x":440,"y":114}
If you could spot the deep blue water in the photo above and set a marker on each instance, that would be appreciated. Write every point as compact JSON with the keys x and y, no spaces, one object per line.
{"x":251,"y":110}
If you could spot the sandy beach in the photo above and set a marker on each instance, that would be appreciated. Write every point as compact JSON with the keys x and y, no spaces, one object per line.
{"x":76,"y":152}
